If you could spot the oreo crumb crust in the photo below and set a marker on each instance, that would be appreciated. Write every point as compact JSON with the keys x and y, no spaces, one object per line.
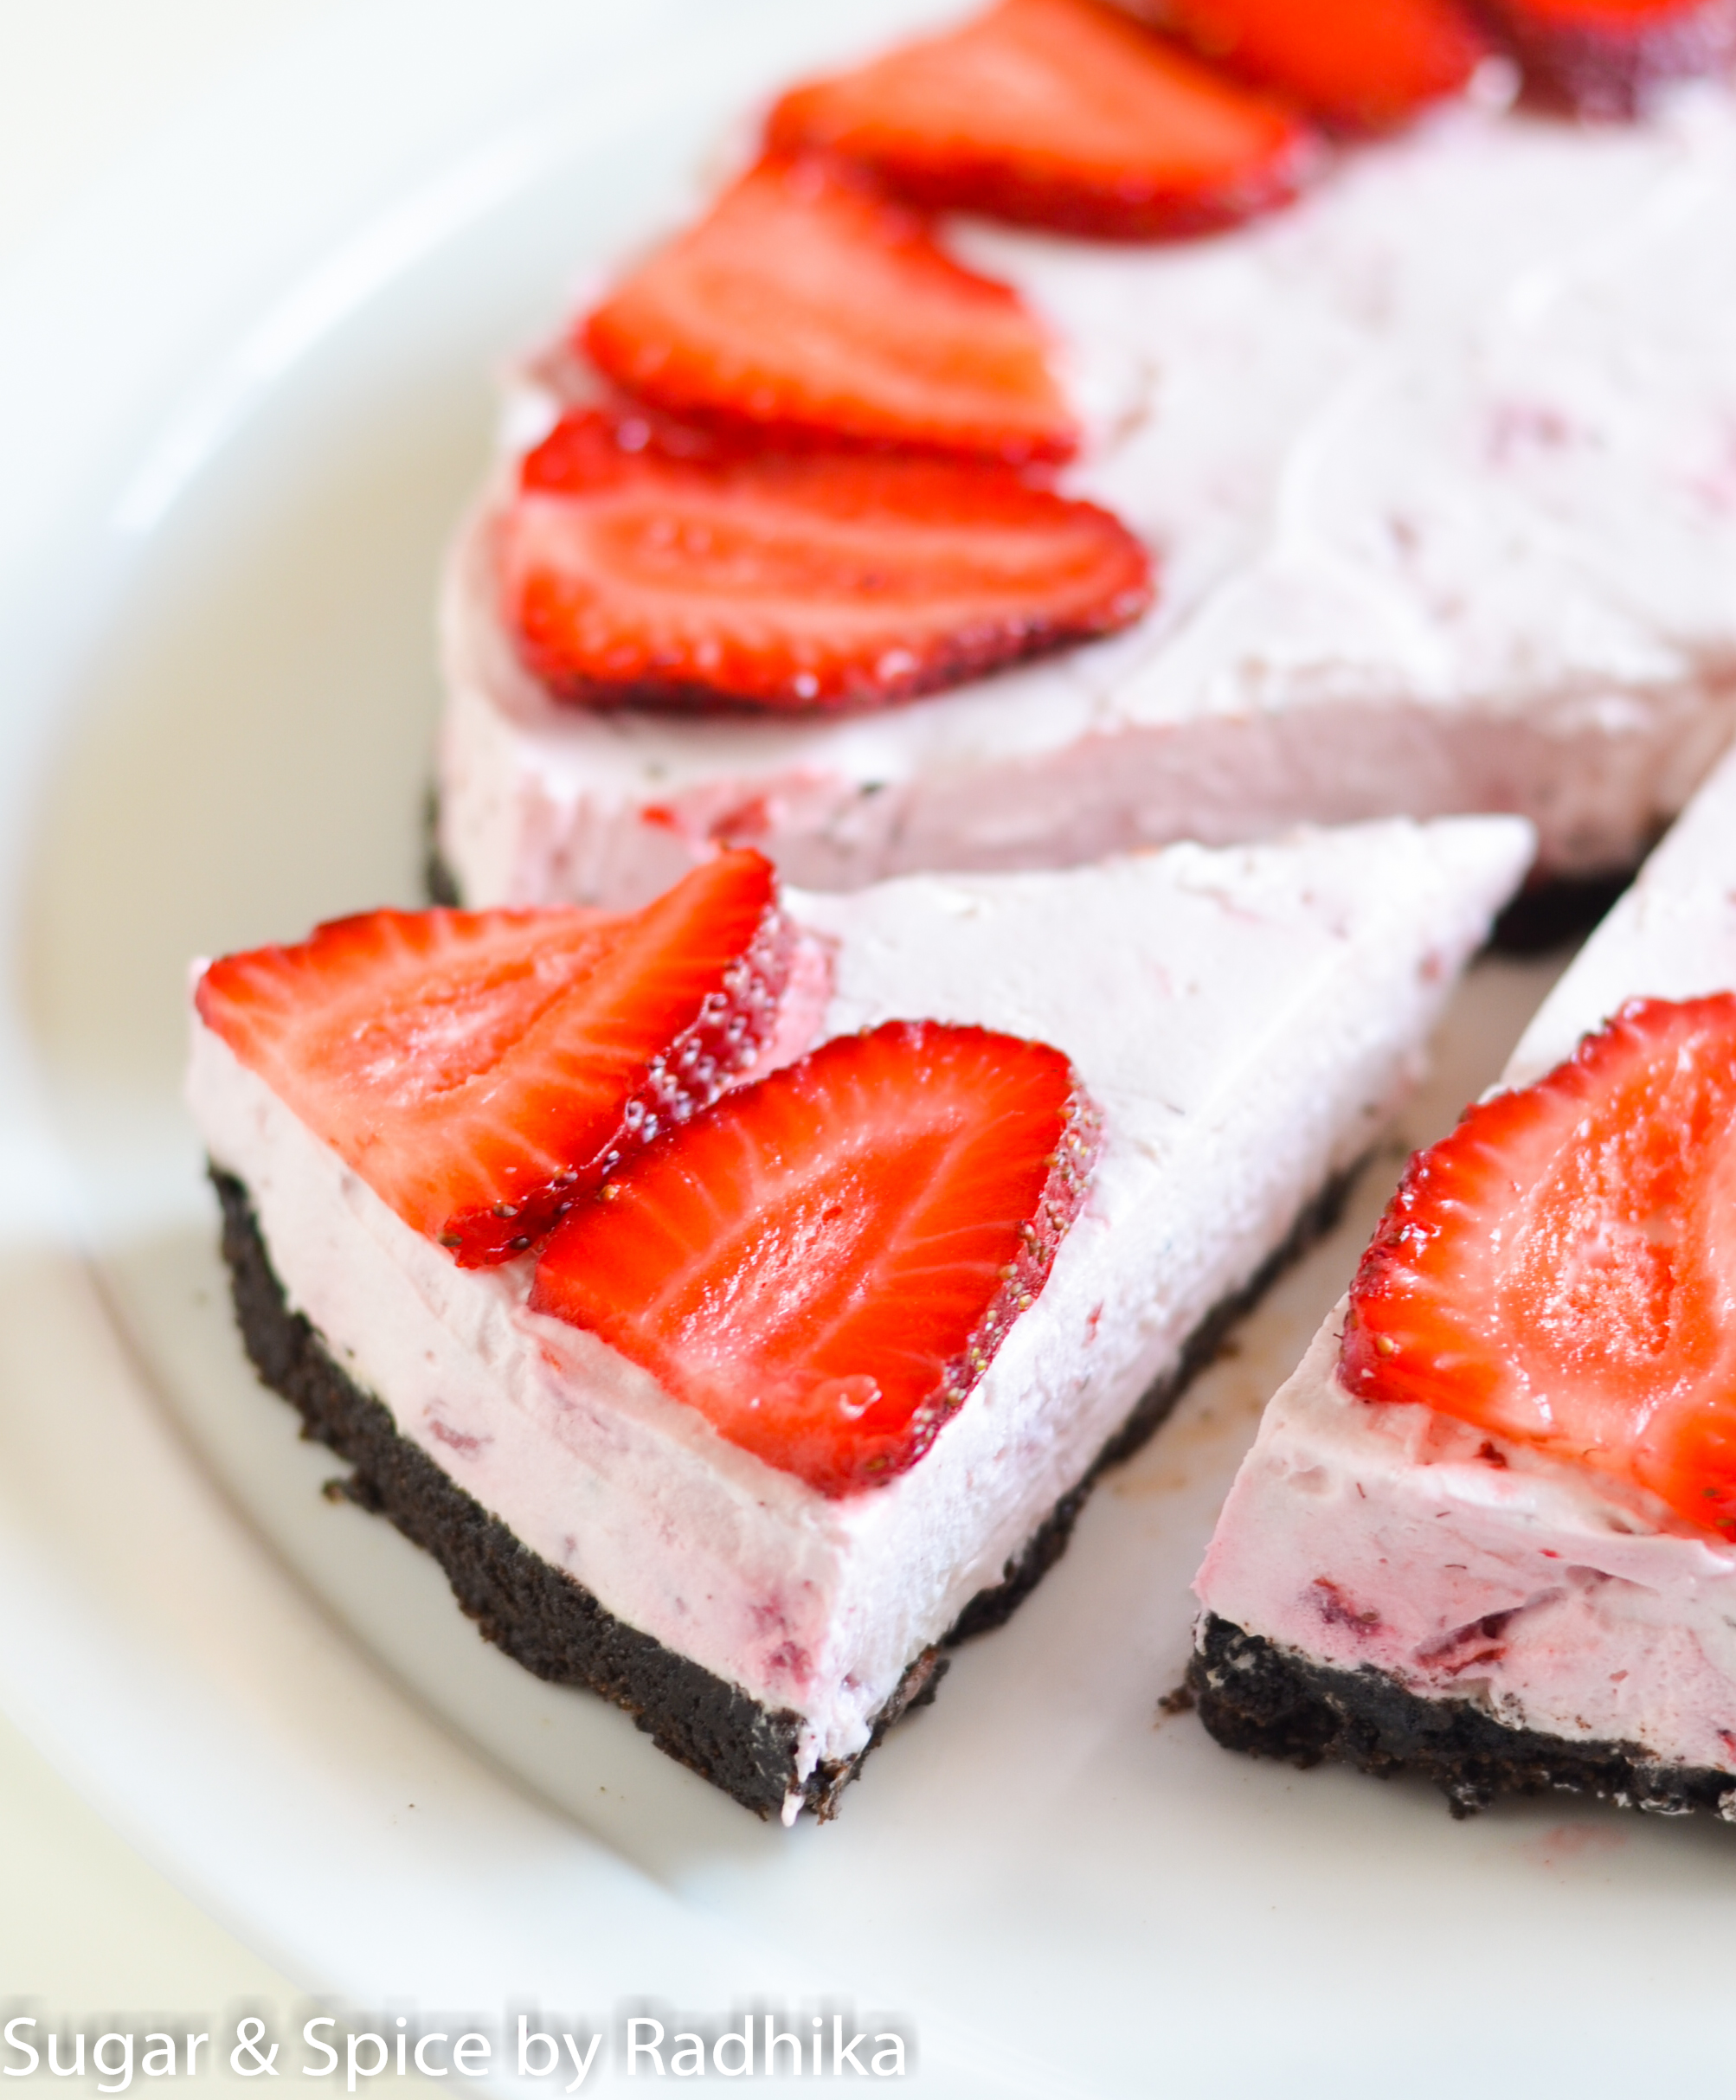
{"x":1269,"y":1702}
{"x":1551,"y":914}
{"x":555,"y":1628}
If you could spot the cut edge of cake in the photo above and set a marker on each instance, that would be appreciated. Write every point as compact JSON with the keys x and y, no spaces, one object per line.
{"x":1579,"y":1638}
{"x":1395,"y":948}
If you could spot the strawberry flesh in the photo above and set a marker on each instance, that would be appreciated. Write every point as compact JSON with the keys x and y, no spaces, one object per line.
{"x":1608,"y":58}
{"x":631,"y":571}
{"x":1357,"y":65}
{"x":808,"y":305}
{"x":1561,"y":1270}
{"x":481,"y":1069}
{"x":1060,"y":113}
{"x":826,"y":1262}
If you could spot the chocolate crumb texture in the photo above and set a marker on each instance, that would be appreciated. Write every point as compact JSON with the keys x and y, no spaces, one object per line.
{"x":555,"y":1628}
{"x":1269,"y":1702}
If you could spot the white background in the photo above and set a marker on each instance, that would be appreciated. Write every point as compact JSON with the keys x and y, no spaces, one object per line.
{"x":85,"y":1926}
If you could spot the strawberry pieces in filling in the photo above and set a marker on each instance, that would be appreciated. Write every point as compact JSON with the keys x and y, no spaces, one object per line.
{"x":1606,"y":58}
{"x":631,"y":572}
{"x":1357,"y":65}
{"x":807,"y":304}
{"x":1059,"y":113}
{"x":825,"y":1263}
{"x":479,"y":1070}
{"x":1561,"y":1270}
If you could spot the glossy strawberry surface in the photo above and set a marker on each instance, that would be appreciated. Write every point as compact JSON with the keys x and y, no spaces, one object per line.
{"x":825,"y":1264}
{"x":480,"y":1070}
{"x":633,"y":573}
{"x":1561,"y":1270}
{"x":806,"y":305}
{"x":1059,"y":113}
{"x":1357,"y":65}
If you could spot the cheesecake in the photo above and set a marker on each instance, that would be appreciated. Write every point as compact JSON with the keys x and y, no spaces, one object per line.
{"x":1434,"y":471}
{"x":500,"y":1214}
{"x":1485,"y":1534}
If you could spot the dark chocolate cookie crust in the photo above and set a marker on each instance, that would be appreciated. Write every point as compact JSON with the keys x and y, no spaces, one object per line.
{"x":555,"y":1628}
{"x":1257,"y":1697}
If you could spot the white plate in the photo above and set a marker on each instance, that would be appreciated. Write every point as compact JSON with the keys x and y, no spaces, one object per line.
{"x":219,"y":524}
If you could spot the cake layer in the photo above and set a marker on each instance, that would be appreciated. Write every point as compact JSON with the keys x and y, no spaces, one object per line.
{"x":1439,"y":468}
{"x":1242,"y":1020}
{"x":1465,"y":1568}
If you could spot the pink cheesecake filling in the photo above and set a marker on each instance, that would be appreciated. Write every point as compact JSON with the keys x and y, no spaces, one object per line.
{"x":1440,"y":466}
{"x":1467,"y":1567}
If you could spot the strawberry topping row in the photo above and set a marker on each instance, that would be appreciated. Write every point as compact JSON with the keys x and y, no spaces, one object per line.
{"x":811,"y":487}
{"x":703,"y":534}
{"x":822,"y":1261}
{"x":1559,"y":1271}
{"x":1059,"y":113}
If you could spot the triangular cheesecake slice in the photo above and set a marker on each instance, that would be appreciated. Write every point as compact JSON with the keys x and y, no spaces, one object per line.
{"x":670,"y":1450}
{"x":1488,"y":1531}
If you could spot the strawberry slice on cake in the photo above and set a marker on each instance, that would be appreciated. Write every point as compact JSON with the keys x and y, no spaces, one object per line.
{"x":1488,"y":1533}
{"x":1059,"y":114}
{"x":1561,"y":1270}
{"x":1609,"y":58}
{"x":814,"y":1382}
{"x":1357,"y":65}
{"x":479,"y":1070}
{"x":825,"y":1265}
{"x":639,"y":565}
{"x":807,"y":304}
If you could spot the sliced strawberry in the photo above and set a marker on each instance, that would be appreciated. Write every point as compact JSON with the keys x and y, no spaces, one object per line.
{"x":629,"y":572}
{"x":807,"y":304}
{"x":1062,"y":114}
{"x":1358,"y":65}
{"x":1561,"y":1270}
{"x":479,"y":1070}
{"x":1606,"y":58}
{"x":826,"y":1262}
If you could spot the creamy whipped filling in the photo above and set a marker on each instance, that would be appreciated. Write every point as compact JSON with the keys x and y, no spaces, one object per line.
{"x":1361,"y":1533}
{"x":1470,"y":1568}
{"x":1440,"y":466}
{"x":1243,"y":1019}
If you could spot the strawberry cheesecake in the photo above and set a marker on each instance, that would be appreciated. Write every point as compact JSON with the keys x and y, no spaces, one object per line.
{"x":739,"y":1295}
{"x":886,"y":522}
{"x":1488,"y":1531}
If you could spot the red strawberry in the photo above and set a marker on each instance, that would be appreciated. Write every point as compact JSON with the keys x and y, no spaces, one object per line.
{"x":1358,"y":65}
{"x":807,"y":304}
{"x":1605,"y":58}
{"x":479,"y":1070}
{"x":1062,"y":114}
{"x":1561,"y":1270}
{"x":805,"y":580}
{"x":825,"y":1263}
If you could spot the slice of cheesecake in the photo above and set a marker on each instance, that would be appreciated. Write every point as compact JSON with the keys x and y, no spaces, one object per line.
{"x":1486,"y":1532}
{"x":674,"y":1448}
{"x":1436,"y":470}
